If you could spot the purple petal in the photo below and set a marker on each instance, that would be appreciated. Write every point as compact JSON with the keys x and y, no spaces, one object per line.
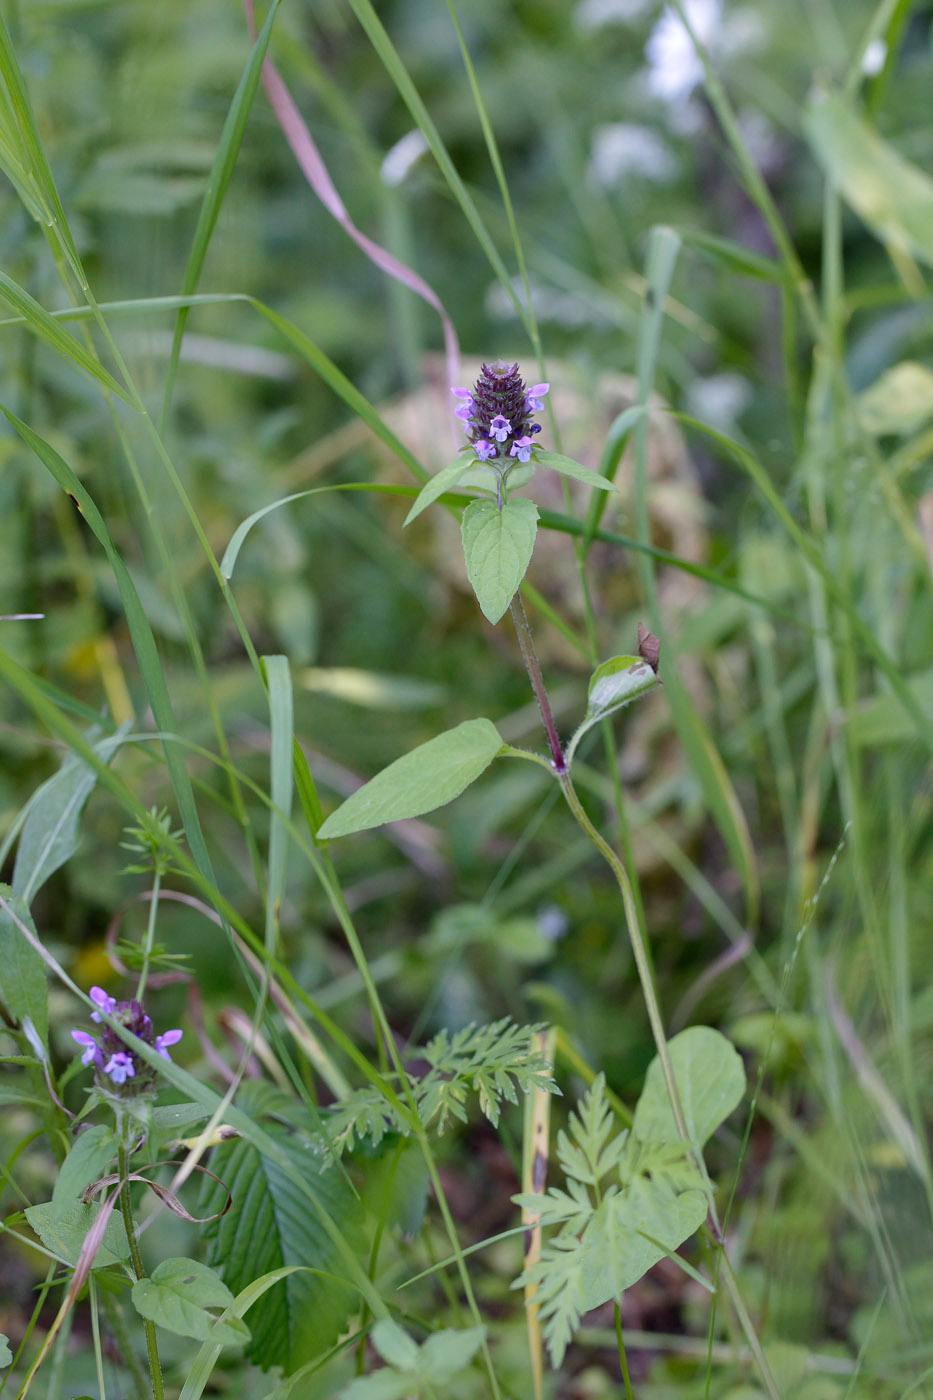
{"x":500,"y":428}
{"x":534,"y":396}
{"x":462,"y":394}
{"x":166,"y":1039}
{"x":103,"y":1003}
{"x":120,"y":1067}
{"x":521,"y":449}
{"x":484,"y":449}
{"x":89,"y":1043}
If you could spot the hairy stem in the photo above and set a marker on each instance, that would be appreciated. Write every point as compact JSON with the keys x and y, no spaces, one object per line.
{"x":532,"y":666}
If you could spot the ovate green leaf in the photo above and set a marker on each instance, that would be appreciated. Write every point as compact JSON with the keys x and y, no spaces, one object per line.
{"x":430,"y":776}
{"x":710,"y":1079}
{"x":497,"y":546}
{"x":177,"y":1295}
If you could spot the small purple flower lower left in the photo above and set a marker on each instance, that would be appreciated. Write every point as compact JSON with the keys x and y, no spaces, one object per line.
{"x":117,"y":1067}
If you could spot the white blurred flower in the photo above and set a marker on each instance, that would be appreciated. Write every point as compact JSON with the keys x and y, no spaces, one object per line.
{"x":873,"y":58}
{"x":622,"y":151}
{"x":674,"y":69}
{"x":402,"y":156}
{"x":595,"y":14}
{"x":719,"y":399}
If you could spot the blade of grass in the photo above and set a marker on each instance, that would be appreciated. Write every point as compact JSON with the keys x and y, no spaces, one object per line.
{"x":225,"y":158}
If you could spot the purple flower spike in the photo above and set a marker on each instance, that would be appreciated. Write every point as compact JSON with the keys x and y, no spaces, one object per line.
{"x":162,"y":1042}
{"x":120,"y":1067}
{"x":89,"y":1043}
{"x":498,"y":409}
{"x":103,"y":1003}
{"x":521,"y":449}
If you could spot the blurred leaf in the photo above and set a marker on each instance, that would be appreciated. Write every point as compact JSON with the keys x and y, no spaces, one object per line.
{"x":900,"y":402}
{"x":430,"y":776}
{"x":373,"y":691}
{"x":894,"y":198}
{"x":734,"y":258}
{"x":23,"y":989}
{"x":50,"y":835}
{"x":710,"y":1079}
{"x":497,"y":546}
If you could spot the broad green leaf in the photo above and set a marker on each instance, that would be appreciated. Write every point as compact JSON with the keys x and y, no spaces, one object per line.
{"x":615,"y":683}
{"x":497,"y":546}
{"x":6,"y":1356}
{"x":444,"y":480}
{"x":430,"y":776}
{"x":88,"y":1159}
{"x":894,"y":198}
{"x":710,"y":1079}
{"x":630,"y":1232}
{"x":272,"y":1224}
{"x":386,"y":1384}
{"x":900,"y":401}
{"x":394,"y":1344}
{"x":176,"y":1296}
{"x":23,"y":989}
{"x":64,"y":1232}
{"x":50,"y":834}
{"x":568,"y":467}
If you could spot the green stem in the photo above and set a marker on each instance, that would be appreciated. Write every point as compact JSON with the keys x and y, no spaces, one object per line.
{"x":639,"y":948}
{"x":152,"y":1345}
{"x":623,"y":1360}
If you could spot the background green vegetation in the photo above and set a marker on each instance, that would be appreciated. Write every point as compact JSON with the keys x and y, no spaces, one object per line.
{"x":788,"y":882}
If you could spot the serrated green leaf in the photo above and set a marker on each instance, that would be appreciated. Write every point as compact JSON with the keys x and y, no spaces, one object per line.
{"x":176,"y":1296}
{"x":23,"y":989}
{"x":443,"y":481}
{"x":429,"y":777}
{"x":710,"y":1079}
{"x":50,"y":835}
{"x":394,"y":1344}
{"x":269,"y":1225}
{"x":497,"y":546}
{"x":88,"y":1159}
{"x":615,"y":683}
{"x":555,"y":462}
{"x":894,"y":198}
{"x":64,"y":1232}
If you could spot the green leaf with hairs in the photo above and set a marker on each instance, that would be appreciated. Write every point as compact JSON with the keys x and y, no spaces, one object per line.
{"x":497,"y":546}
{"x":444,"y":481}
